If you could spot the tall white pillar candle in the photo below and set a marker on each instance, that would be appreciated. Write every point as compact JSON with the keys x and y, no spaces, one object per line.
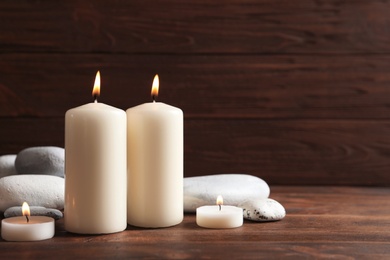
{"x":95,"y":168}
{"x":155,"y":164}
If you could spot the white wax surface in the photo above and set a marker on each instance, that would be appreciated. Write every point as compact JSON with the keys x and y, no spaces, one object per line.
{"x":212,"y":217}
{"x":17,"y":228}
{"x":155,"y":165}
{"x":95,"y":169}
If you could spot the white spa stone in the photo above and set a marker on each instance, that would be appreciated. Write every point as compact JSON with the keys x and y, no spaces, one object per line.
{"x":34,"y":211}
{"x":38,"y":190}
{"x":262,"y":210}
{"x":7,"y":165}
{"x":234,"y":188}
{"x":47,"y":160}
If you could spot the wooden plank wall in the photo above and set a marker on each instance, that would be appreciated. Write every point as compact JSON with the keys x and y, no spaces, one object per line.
{"x":296,"y":92}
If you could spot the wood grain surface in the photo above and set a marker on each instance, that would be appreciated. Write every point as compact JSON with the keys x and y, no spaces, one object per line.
{"x":239,"y":86}
{"x":305,"y":152}
{"x":174,"y":26}
{"x":295,"y":93}
{"x":321,"y":222}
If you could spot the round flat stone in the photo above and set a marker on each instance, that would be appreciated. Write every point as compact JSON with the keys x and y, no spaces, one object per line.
{"x":34,"y":211}
{"x":47,"y":160}
{"x":262,"y":210}
{"x":38,"y":190}
{"x":234,"y":188}
{"x":7,"y":165}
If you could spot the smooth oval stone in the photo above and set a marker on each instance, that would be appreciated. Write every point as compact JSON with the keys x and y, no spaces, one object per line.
{"x":34,"y":211}
{"x":38,"y":190}
{"x":47,"y":160}
{"x":234,"y":188}
{"x":7,"y":165}
{"x":262,"y":210}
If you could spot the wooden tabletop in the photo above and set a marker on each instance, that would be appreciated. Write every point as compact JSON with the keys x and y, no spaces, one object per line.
{"x":338,"y":222}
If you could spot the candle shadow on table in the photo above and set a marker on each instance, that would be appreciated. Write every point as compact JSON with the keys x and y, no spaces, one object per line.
{"x":264,"y":223}
{"x":189,"y":222}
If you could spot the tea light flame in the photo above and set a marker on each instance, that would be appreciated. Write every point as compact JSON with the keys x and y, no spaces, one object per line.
{"x":26,"y":211}
{"x":220,"y":201}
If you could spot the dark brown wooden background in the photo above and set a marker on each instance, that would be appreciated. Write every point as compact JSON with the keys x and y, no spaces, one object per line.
{"x":295,"y":92}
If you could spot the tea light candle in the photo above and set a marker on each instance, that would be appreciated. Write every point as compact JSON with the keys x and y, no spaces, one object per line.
{"x":27,"y":228}
{"x":219,"y":216}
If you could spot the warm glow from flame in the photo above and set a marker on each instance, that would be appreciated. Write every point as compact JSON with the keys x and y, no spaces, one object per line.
{"x":25,"y":209}
{"x":219,"y":200}
{"x":155,"y":85}
{"x":96,"y":86}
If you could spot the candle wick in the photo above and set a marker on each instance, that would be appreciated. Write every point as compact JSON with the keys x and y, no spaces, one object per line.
{"x":154,"y":98}
{"x":95,"y":97}
{"x":28,"y":220}
{"x":220,"y":206}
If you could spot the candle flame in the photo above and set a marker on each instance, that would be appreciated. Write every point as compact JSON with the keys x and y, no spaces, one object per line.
{"x":219,"y":200}
{"x":156,"y":83}
{"x":96,"y":86}
{"x":25,"y":209}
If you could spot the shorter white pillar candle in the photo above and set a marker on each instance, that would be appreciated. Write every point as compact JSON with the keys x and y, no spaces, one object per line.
{"x":18,"y":229}
{"x":219,"y":216}
{"x":154,"y":164}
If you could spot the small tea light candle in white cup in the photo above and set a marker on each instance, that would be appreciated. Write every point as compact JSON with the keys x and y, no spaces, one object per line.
{"x":27,"y":228}
{"x":219,"y":216}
